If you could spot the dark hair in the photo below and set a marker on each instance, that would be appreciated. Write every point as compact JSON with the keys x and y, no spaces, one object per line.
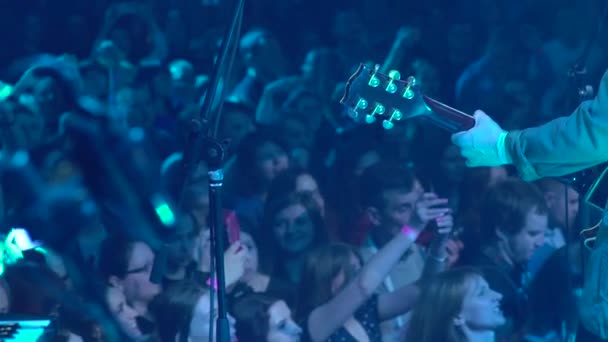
{"x":268,"y":245}
{"x":285,"y":183}
{"x":174,"y":309}
{"x":252,"y":317}
{"x":439,"y":303}
{"x":382,"y":177}
{"x":550,"y":184}
{"x":34,"y":289}
{"x":320,"y":269}
{"x":506,"y":205}
{"x":248,"y":179}
{"x":61,"y":70}
{"x":114,"y":255}
{"x":140,"y":42}
{"x":475,"y":184}
{"x":292,"y":101}
{"x":172,"y":176}
{"x":552,"y":303}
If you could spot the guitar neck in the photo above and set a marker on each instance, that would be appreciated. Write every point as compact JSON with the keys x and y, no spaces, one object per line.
{"x":446,"y":117}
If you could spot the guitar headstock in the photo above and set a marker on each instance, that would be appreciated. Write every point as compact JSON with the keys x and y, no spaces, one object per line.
{"x":371,"y":96}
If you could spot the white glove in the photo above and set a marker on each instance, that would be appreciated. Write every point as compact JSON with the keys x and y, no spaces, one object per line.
{"x":484,"y":144}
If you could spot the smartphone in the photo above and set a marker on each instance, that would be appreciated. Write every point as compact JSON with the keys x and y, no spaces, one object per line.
{"x":232,"y":227}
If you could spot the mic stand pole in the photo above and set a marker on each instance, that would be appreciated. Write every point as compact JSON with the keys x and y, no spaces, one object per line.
{"x":203,"y":144}
{"x":215,"y":158}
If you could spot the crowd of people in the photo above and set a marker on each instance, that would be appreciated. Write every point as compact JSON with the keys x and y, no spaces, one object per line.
{"x":347,"y":232}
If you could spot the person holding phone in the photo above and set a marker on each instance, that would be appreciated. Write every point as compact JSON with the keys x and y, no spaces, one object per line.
{"x":338,"y":298}
{"x":389,"y":194}
{"x":562,"y":146}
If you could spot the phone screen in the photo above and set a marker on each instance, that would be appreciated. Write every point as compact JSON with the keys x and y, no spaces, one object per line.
{"x":232,"y":226}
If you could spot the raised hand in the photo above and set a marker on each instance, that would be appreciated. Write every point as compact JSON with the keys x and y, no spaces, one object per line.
{"x":408,"y":36}
{"x":453,"y":248}
{"x":445,"y":224}
{"x":108,"y":54}
{"x":234,"y":263}
{"x":480,"y":144}
{"x":426,"y":210}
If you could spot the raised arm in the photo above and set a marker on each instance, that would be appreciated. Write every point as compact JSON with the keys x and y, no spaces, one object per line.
{"x":406,"y":38}
{"x":400,"y":301}
{"x":327,"y":318}
{"x":559,"y":147}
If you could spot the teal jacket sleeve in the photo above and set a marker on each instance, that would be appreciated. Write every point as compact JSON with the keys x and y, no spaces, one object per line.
{"x":564,"y":145}
{"x":593,"y":308}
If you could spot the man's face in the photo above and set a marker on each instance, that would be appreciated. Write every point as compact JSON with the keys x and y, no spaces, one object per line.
{"x":521,"y":246}
{"x":48,"y":96}
{"x":556,"y":202}
{"x":398,"y":209}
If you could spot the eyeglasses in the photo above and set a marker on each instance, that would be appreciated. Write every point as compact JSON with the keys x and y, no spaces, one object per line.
{"x":142,"y":269}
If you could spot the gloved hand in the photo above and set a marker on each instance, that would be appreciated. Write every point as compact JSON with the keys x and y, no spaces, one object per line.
{"x":484,"y":144}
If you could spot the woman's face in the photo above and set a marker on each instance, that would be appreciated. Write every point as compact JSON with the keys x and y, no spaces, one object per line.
{"x":251,"y":261}
{"x":294,"y":229}
{"x":202,"y":250}
{"x":124,"y":314}
{"x":199,"y":325}
{"x":281,"y":327}
{"x":136,"y":284}
{"x":271,"y":160}
{"x":182,"y":246}
{"x":307,"y":184}
{"x":481,"y":307}
{"x":200,"y":208}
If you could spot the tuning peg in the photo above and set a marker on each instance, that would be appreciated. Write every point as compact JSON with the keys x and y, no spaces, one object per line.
{"x":408,"y":93}
{"x":373,"y":80}
{"x":394,"y":75}
{"x":395,"y":116}
{"x":391,"y":87}
{"x":378,"y":110}
{"x":362,"y":104}
{"x":387,"y":124}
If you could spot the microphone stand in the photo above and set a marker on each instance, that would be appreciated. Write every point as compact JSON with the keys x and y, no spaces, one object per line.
{"x":204,"y":144}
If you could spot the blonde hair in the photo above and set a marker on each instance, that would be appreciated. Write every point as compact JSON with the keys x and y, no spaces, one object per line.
{"x":439,"y":303}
